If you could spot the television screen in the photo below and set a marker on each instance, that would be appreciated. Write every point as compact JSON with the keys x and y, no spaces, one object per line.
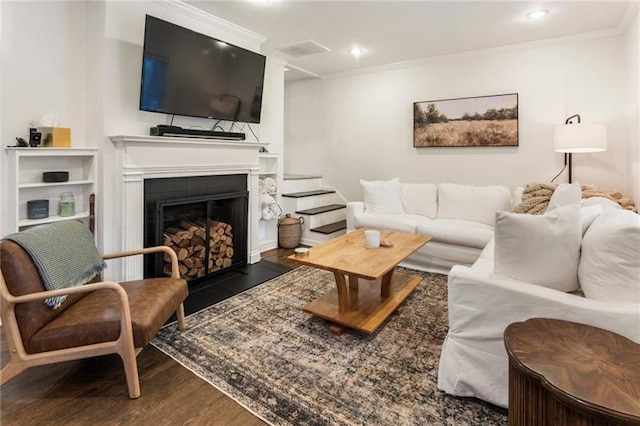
{"x":188,"y":73}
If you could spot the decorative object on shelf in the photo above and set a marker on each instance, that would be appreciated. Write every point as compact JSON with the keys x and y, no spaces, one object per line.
{"x":56,"y":137}
{"x":37,"y":209}
{"x":289,"y":231}
{"x":35,"y":137}
{"x":21,"y":143}
{"x":67,"y":206}
{"x":477,"y":121}
{"x":55,"y":177}
{"x":92,"y":212}
{"x":580,"y":138}
{"x":270,"y":185}
{"x":267,"y":185}
{"x":268,"y":207}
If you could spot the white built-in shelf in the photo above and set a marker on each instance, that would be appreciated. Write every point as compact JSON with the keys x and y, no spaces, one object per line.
{"x":50,"y":184}
{"x":52,"y":218}
{"x":25,"y":168}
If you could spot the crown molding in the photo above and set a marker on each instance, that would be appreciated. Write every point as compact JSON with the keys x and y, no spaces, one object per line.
{"x":303,"y":71}
{"x":192,"y":12}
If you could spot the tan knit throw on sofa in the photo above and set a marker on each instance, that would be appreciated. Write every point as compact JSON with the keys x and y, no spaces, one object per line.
{"x":536,"y":196}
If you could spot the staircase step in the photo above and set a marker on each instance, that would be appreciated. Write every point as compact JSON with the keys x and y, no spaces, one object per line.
{"x":322,"y":209}
{"x":309,"y":193}
{"x":331,"y":228}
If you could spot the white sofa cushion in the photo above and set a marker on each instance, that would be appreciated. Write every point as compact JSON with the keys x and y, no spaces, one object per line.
{"x":420,"y":198}
{"x":610,"y":263}
{"x":475,"y":203}
{"x":396,"y":222}
{"x":457,"y":232}
{"x":382,"y":196}
{"x":605,"y":203}
{"x":540,"y":249}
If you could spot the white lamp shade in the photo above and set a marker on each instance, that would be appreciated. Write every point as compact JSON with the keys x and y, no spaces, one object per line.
{"x":580,"y":137}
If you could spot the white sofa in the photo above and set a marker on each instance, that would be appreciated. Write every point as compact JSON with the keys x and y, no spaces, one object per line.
{"x":459,"y":218}
{"x":483,"y":300}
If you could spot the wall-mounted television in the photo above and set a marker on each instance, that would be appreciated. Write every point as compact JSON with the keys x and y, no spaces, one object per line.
{"x":188,"y":73}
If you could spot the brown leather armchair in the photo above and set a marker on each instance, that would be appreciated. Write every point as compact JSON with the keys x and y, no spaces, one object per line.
{"x":97,"y":318}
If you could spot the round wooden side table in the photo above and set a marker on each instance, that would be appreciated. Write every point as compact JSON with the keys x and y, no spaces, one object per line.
{"x":565,"y":373}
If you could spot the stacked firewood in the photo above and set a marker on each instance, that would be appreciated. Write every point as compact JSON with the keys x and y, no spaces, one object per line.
{"x":188,"y":241}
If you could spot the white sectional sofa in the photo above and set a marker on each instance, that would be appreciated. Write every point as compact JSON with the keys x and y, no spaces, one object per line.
{"x":459,"y":218}
{"x":597,"y":250}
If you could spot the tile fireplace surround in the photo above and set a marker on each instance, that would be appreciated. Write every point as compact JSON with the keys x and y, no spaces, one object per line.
{"x":150,"y":157}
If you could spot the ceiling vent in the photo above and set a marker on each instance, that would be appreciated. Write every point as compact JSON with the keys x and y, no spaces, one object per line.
{"x":303,"y":48}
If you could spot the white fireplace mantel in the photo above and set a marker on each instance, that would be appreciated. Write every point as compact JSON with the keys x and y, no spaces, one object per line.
{"x":150,"y":157}
{"x":166,"y":140}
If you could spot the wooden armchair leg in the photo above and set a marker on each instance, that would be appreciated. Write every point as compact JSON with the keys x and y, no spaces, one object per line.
{"x":182,"y":324}
{"x":131,"y":373}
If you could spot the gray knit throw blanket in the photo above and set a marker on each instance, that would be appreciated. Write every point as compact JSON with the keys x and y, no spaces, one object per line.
{"x":64,"y":253}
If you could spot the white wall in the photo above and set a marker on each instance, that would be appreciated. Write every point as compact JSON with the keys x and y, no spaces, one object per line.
{"x":633,"y":55}
{"x":43,"y":66}
{"x":360,"y":126}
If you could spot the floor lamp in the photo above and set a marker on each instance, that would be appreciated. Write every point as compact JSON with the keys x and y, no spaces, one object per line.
{"x":578,"y":137}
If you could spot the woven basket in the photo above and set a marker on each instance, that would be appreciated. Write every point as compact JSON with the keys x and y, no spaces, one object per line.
{"x":289,"y":230}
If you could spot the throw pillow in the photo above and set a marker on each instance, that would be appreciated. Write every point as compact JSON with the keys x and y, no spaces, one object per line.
{"x":610,"y":263}
{"x":420,"y":199}
{"x":589,"y":214}
{"x":565,"y":194}
{"x":540,"y":249}
{"x":382,"y":196}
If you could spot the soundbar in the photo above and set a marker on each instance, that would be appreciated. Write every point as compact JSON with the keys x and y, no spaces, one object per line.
{"x":165,"y":130}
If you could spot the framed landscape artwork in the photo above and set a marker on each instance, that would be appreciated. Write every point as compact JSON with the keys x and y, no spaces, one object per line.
{"x":477,"y":121}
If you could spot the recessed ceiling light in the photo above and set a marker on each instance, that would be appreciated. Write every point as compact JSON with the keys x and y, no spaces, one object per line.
{"x":356,"y":51}
{"x":537,"y":14}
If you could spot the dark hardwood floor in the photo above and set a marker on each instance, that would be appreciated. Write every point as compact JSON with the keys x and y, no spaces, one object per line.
{"x":94,"y":391}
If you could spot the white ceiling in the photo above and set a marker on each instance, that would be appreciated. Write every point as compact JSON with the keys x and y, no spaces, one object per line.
{"x":398,"y":31}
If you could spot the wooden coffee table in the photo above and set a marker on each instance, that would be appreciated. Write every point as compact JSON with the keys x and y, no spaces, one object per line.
{"x":367,"y":288}
{"x":565,"y":373}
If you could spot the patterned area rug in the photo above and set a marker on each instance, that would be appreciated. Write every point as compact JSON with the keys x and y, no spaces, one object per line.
{"x":284,"y":366}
